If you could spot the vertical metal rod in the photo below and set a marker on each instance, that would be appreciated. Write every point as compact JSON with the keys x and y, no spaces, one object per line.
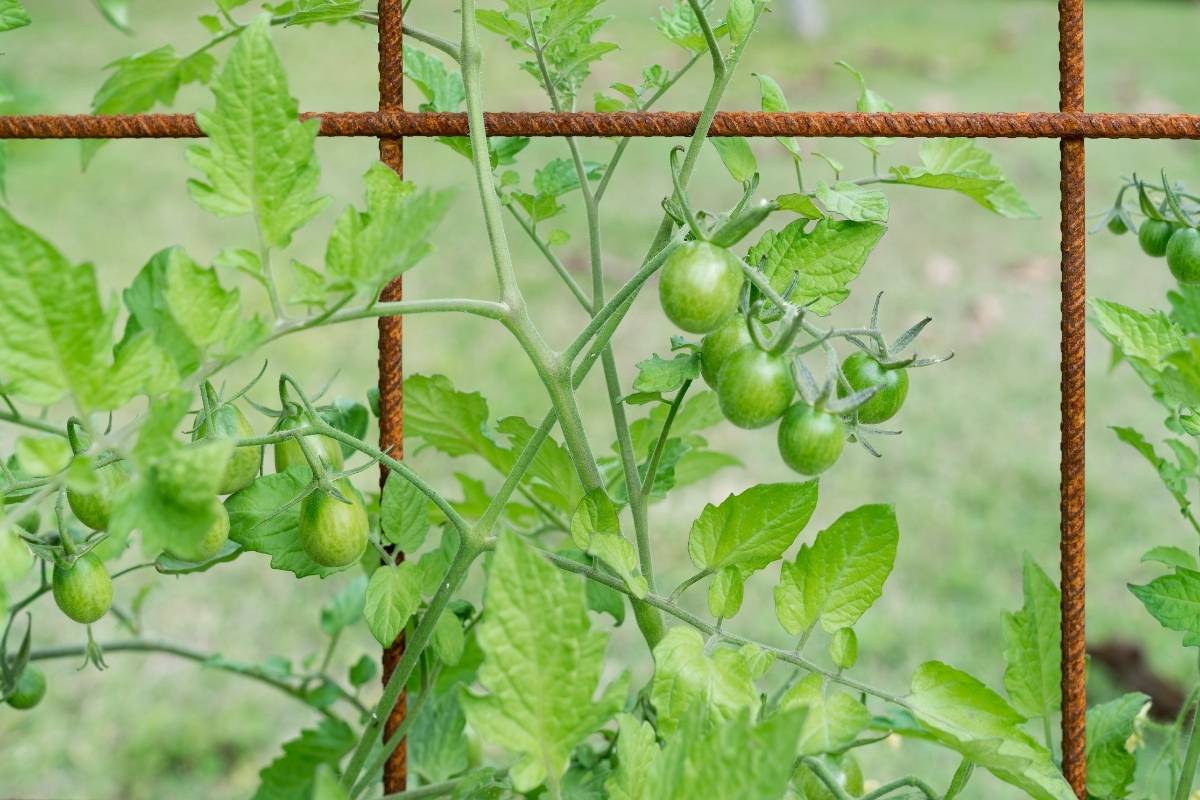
{"x":1073,"y":403}
{"x":391,"y":341}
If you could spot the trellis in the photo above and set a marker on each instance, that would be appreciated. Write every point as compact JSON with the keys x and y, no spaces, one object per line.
{"x":391,"y":124}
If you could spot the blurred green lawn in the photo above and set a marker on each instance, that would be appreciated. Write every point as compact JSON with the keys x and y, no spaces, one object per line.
{"x":974,"y":477}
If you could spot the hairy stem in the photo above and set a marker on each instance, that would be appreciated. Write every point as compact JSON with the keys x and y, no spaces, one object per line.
{"x":1190,"y":760}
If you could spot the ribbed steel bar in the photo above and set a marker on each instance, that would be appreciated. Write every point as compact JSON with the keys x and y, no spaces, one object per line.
{"x":1073,"y":403}
{"x":392,"y":123}
{"x":391,"y":351}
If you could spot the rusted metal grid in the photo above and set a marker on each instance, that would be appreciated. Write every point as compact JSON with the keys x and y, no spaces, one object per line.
{"x":1071,"y":125}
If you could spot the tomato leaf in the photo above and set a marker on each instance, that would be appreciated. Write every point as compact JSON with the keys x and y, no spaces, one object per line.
{"x":438,"y":748}
{"x":833,"y":718}
{"x":737,"y":157}
{"x":259,"y":522}
{"x":841,"y":575}
{"x":1174,"y":600}
{"x":968,"y":717}
{"x":542,"y":665}
{"x":656,"y":374}
{"x":309,"y":12}
{"x":259,"y":157}
{"x":453,"y":422}
{"x":1110,"y":764}
{"x":292,"y":774}
{"x":13,"y":15}
{"x":403,"y":513}
{"x":596,"y":529}
{"x":1033,"y":641}
{"x":345,"y":608}
{"x":752,"y":529}
{"x":963,"y":166}
{"x":686,"y":677}
{"x":854,"y":202}
{"x":725,"y":593}
{"x":393,"y":596}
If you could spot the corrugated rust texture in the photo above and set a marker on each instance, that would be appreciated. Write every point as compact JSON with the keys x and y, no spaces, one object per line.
{"x":1073,"y":403}
{"x":391,"y":352}
{"x":394,"y":123}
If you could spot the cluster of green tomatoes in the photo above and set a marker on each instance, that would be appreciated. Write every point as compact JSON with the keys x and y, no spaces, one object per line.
{"x":1168,"y":229}
{"x":702,"y":292}
{"x":333,"y":521}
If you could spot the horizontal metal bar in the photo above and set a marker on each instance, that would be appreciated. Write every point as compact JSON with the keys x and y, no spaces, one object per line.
{"x":917,"y":124}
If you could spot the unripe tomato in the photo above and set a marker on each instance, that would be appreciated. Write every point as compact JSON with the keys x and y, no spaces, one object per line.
{"x":1183,"y":255}
{"x":1154,"y":235}
{"x":718,"y":346}
{"x":1117,"y":225}
{"x":333,"y":533}
{"x":700,"y":287}
{"x":83,"y":590}
{"x":754,"y":387}
{"x":228,"y":422}
{"x":863,"y":372}
{"x":94,"y":508}
{"x":16,"y":559}
{"x":289,"y":454}
{"x":30,"y":689}
{"x":810,"y":441}
{"x":210,"y":543}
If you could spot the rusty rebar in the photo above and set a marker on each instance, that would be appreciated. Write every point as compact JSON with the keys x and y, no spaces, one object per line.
{"x":1072,"y":407}
{"x":392,"y":124}
{"x":391,"y":354}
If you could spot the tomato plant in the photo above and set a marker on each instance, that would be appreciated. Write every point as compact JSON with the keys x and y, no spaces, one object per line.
{"x":129,"y":429}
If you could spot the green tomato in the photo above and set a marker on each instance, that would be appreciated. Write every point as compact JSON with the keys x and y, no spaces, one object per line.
{"x":30,"y":689}
{"x":755,"y":387}
{"x":718,"y":346}
{"x":210,"y":543}
{"x":1154,"y":235}
{"x":1183,"y":255}
{"x":228,"y":422}
{"x":94,"y":508}
{"x":863,"y":372}
{"x":83,"y":590}
{"x":844,"y":768}
{"x":1117,"y":225}
{"x":16,"y":559}
{"x":700,"y":287}
{"x":333,"y":533}
{"x":289,"y":454}
{"x":810,"y":441}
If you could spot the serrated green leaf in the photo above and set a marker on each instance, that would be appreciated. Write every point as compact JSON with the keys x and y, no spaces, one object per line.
{"x":1171,"y":556}
{"x":774,"y":101}
{"x":752,"y":529}
{"x":841,"y":575}
{"x":737,"y":157}
{"x":369,"y":248}
{"x":438,"y":748}
{"x":453,"y":422}
{"x":443,"y":90}
{"x":292,"y":774}
{"x":1172,"y":476}
{"x":1147,"y":338}
{"x":800,"y":204}
{"x":968,"y":717}
{"x":13,"y":15}
{"x":1174,"y":600}
{"x":542,"y":665}
{"x":1110,"y":764}
{"x":257,"y":523}
{"x":656,"y":374}
{"x":116,"y":12}
{"x":822,"y":261}
{"x":833,"y":718}
{"x":963,"y":166}
{"x":685,"y":677}
{"x":309,"y":12}
{"x":259,"y":157}
{"x":725,"y":593}
{"x":346,"y":607}
{"x":403,"y":513}
{"x":1033,"y":641}
{"x":42,"y":456}
{"x":596,"y":529}
{"x":393,"y":596}
{"x":854,"y":202}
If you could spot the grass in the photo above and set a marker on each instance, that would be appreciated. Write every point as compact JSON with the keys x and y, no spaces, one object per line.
{"x":974,"y":478}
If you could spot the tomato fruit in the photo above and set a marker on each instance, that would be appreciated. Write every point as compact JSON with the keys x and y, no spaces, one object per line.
{"x":1117,"y":225}
{"x":210,"y":543}
{"x":16,"y":559}
{"x":755,"y":387}
{"x":30,"y":689}
{"x":1154,"y":235}
{"x":228,"y":422}
{"x":1183,"y":255}
{"x":333,"y":533}
{"x":810,"y":441}
{"x":289,"y":454}
{"x":718,"y":346}
{"x":863,"y":372}
{"x":700,"y":287}
{"x":83,"y":590}
{"x":94,"y":508}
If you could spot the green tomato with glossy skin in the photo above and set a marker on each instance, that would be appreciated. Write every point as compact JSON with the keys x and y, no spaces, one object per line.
{"x":30,"y":689}
{"x":210,"y":543}
{"x":289,"y":454}
{"x":16,"y":558}
{"x":811,"y":441}
{"x":333,"y":533}
{"x":718,"y":346}
{"x":863,"y":372}
{"x":700,"y":287}
{"x":1153,"y":236}
{"x":755,"y":387}
{"x":95,"y":508}
{"x":83,"y":591}
{"x":1183,"y":255}
{"x":228,"y":422}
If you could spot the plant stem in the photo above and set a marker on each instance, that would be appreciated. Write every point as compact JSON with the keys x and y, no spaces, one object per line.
{"x":1190,"y":760}
{"x":910,"y":782}
{"x":826,"y":777}
{"x":661,"y":445}
{"x":33,"y":424}
{"x":424,"y":792}
{"x":389,"y":746}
